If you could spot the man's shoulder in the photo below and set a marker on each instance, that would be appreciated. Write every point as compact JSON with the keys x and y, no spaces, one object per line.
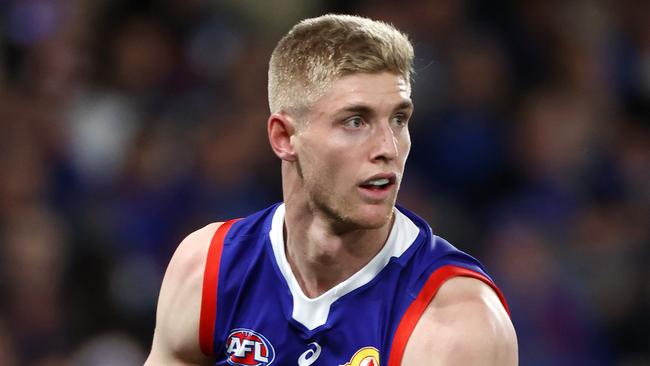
{"x":185,"y":272}
{"x":465,"y":323}
{"x":462,"y":293}
{"x":179,"y":303}
{"x":193,"y":249}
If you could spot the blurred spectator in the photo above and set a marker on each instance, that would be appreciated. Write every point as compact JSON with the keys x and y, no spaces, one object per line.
{"x":548,"y":309}
{"x":33,"y":261}
{"x":109,"y":350}
{"x":7,"y":347}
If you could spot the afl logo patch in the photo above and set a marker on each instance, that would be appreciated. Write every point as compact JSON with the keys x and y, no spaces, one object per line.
{"x":245,"y":347}
{"x":367,"y":356}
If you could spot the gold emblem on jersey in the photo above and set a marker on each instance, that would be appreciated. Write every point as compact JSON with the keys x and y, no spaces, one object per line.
{"x":367,"y":356}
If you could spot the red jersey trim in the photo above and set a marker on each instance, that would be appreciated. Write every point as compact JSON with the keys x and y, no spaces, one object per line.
{"x":417,"y":307}
{"x":210,"y":286}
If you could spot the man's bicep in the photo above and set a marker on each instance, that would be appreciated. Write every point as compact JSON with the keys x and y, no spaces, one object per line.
{"x":176,"y":337}
{"x":465,"y":324}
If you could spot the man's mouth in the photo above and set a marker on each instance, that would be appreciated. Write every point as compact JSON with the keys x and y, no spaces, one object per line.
{"x":378,"y":183}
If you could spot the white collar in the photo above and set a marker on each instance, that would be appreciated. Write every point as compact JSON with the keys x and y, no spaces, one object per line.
{"x":313,"y":313}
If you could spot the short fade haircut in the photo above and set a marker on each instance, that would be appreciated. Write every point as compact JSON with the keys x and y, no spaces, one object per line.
{"x":318,"y":51}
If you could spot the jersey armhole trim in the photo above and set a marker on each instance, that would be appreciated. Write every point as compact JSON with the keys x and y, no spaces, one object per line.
{"x":417,"y":307}
{"x":209,"y":292}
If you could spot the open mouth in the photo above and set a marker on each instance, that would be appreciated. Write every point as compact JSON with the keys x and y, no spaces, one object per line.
{"x":379,"y":183}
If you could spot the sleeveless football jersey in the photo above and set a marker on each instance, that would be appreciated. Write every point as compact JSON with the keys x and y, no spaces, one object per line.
{"x":253,"y":311}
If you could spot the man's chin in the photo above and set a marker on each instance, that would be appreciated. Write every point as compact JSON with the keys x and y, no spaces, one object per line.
{"x":360,"y":215}
{"x":375,"y":217}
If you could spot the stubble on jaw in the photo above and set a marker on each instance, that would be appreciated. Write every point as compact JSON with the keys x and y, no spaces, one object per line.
{"x":336,"y":208}
{"x":342,"y":212}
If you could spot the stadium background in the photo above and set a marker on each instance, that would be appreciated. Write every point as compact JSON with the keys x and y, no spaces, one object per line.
{"x":125,"y":125}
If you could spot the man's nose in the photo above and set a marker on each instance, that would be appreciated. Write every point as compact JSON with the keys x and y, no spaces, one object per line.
{"x":385,"y":143}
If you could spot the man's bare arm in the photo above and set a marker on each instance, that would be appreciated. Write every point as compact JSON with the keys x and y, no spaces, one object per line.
{"x":465,"y":324}
{"x":176,"y":338}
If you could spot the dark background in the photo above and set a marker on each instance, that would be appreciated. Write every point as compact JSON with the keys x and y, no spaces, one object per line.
{"x":125,"y":125}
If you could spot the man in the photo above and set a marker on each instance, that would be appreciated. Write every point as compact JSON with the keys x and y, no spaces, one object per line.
{"x":336,"y":275}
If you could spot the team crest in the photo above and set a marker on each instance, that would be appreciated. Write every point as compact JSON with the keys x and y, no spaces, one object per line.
{"x":367,"y":356}
{"x":245,"y":347}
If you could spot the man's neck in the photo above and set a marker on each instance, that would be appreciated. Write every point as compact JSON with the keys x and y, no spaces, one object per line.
{"x":320,"y":257}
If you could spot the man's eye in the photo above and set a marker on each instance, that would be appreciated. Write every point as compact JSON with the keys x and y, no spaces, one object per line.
{"x":354,"y":122}
{"x":400,"y":120}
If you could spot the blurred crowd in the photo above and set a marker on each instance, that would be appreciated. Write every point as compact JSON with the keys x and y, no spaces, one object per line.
{"x":125,"y":125}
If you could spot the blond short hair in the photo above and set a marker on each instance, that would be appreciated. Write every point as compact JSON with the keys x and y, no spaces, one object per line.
{"x":320,"y":50}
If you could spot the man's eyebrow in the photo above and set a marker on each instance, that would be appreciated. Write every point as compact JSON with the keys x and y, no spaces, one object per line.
{"x":407,"y":104}
{"x":364,"y":109}
{"x":357,"y":108}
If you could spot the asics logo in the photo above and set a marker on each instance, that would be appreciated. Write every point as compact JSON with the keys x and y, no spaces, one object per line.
{"x":309,"y":356}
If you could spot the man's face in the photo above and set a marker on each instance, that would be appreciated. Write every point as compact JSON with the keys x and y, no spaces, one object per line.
{"x":352,"y":148}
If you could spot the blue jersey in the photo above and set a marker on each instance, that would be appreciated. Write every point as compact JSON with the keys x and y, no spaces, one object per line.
{"x":253,"y":311}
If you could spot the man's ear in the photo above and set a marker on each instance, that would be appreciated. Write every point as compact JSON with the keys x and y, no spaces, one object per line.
{"x":281,"y":128}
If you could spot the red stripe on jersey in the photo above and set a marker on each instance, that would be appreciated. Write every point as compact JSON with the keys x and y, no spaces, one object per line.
{"x":417,"y":307}
{"x":210,"y":285}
